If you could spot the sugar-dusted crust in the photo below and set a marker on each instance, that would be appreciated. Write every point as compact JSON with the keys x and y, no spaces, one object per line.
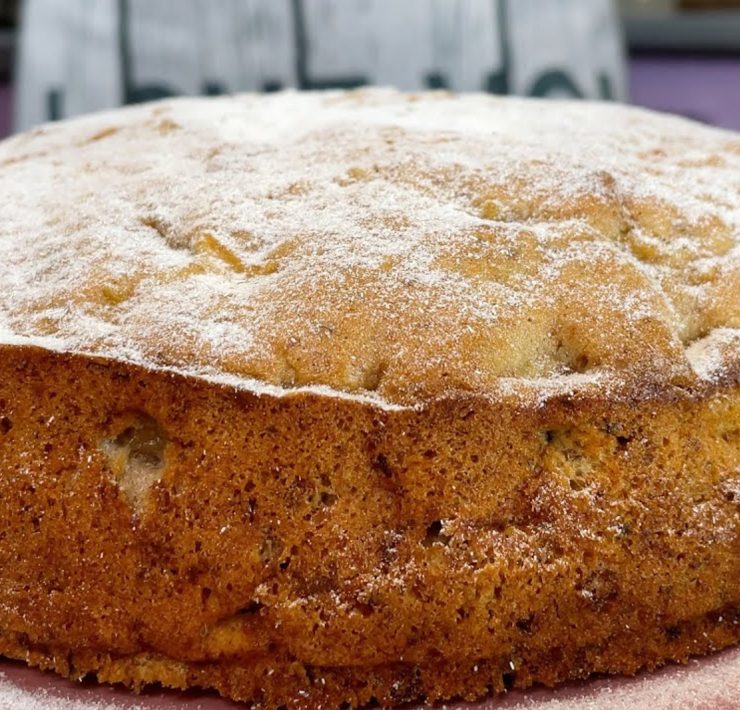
{"x":320,"y":399}
{"x":375,"y":242}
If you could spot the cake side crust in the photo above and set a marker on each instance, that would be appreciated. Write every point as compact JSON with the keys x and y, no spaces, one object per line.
{"x":266,"y":682}
{"x":162,"y":528}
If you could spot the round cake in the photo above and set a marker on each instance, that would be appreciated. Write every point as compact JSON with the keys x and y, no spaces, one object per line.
{"x":325,"y":399}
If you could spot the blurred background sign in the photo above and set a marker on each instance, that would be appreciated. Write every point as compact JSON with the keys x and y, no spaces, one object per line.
{"x":63,"y":57}
{"x":82,"y":55}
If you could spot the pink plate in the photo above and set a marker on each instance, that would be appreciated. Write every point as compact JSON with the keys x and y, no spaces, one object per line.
{"x":711,"y":683}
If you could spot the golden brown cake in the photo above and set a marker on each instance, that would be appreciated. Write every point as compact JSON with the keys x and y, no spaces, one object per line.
{"x":316,"y":399}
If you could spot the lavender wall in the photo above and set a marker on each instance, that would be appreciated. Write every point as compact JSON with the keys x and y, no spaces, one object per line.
{"x":705,"y":88}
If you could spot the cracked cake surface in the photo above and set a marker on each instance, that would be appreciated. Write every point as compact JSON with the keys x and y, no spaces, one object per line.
{"x":331,"y":399}
{"x":402,"y":246}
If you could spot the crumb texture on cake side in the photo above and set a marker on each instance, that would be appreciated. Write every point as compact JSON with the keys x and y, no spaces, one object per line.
{"x":327,"y":399}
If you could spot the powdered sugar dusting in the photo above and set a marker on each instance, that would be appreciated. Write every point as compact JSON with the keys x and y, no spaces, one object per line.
{"x":394,"y":247}
{"x":709,"y":355}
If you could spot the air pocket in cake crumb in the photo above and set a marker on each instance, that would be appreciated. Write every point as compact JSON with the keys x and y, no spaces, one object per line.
{"x":137,"y":457}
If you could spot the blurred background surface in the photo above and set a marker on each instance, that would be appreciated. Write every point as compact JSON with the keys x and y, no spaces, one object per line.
{"x":681,"y":56}
{"x":684,"y":57}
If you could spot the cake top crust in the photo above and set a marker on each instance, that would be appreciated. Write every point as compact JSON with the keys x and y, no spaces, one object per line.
{"x":381,"y":245}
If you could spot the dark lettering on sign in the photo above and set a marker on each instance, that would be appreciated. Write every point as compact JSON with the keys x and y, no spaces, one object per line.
{"x":148,"y":92}
{"x":554,"y":81}
{"x":213,"y":88}
{"x":436,"y":80}
{"x":606,"y":90}
{"x":133,"y":94}
{"x":497,"y":82}
{"x":301,"y":58}
{"x":54,"y":104}
{"x":271,"y":86}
